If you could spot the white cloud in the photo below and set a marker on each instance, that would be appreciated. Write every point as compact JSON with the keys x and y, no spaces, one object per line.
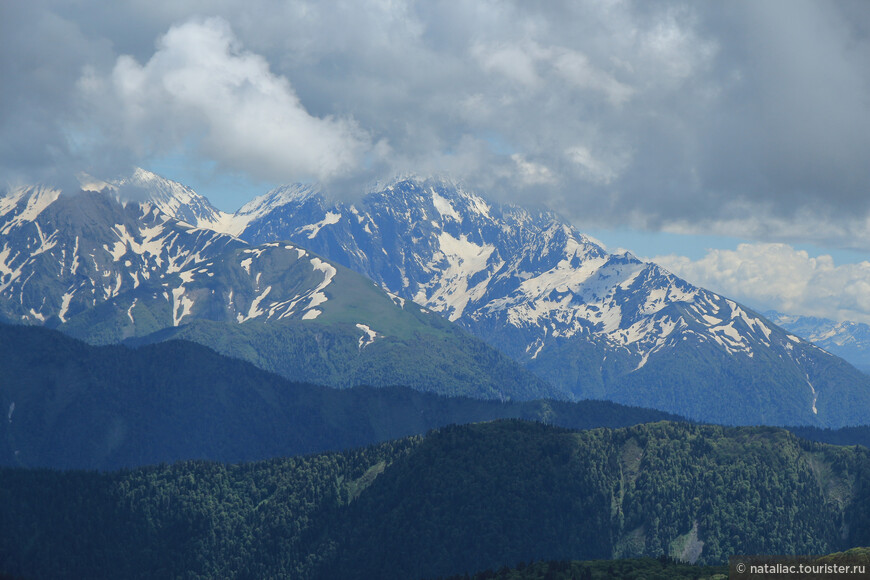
{"x":693,"y":116}
{"x":591,"y":168}
{"x":815,"y":223}
{"x":536,"y":66}
{"x":200,"y":84}
{"x":531,"y":173}
{"x":517,"y":63}
{"x":777,"y":276}
{"x":673,"y":48}
{"x":576,"y":68}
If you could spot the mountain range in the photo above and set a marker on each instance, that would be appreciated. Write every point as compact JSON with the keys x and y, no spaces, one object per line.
{"x":848,"y":340}
{"x":107,"y":270}
{"x":454,"y":310}
{"x":593,"y":324}
{"x":148,"y":259}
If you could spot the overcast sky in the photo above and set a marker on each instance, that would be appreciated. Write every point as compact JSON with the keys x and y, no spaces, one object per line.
{"x":744,"y":119}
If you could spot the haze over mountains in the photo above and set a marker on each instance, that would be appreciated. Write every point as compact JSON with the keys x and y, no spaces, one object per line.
{"x":71,"y":405}
{"x":587,"y":323}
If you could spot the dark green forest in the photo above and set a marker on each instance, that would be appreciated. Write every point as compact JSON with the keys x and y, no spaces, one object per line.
{"x":661,"y":568}
{"x":461,"y":499}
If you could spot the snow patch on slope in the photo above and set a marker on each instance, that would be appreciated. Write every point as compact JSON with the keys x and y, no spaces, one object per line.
{"x":35,"y":200}
{"x":815,"y":396}
{"x":368,"y":336}
{"x":330,"y":219}
{"x":317,"y":296}
{"x":444,"y":207}
{"x":464,"y":259}
{"x":254,"y":310}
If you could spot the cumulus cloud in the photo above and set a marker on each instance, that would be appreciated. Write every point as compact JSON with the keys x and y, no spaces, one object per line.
{"x":777,"y":276}
{"x":537,"y":67}
{"x":201,"y":85}
{"x":591,"y":169}
{"x":576,"y":68}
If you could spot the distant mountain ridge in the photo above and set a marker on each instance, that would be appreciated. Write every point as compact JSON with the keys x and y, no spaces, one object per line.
{"x":848,"y":340}
{"x":170,"y":197}
{"x":70,"y":405}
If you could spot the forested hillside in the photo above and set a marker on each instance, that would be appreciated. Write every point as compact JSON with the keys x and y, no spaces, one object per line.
{"x":461,"y":499}
{"x":662,"y":568}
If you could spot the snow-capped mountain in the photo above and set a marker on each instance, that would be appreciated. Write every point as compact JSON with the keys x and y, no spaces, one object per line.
{"x":169,"y":197}
{"x":593,"y":324}
{"x":596,"y":324}
{"x":99,"y":250}
{"x":107,"y":270}
{"x":174,"y":199}
{"x":848,"y":340}
{"x":63,"y":254}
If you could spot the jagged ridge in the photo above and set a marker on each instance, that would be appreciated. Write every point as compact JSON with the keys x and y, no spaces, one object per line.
{"x":596,"y":324}
{"x":106,"y":270}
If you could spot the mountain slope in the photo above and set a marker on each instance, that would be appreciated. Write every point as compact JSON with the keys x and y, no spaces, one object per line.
{"x":105,"y":270}
{"x":462,"y":498}
{"x":71,"y":405}
{"x":454,"y":504}
{"x":80,"y":250}
{"x":595,"y":324}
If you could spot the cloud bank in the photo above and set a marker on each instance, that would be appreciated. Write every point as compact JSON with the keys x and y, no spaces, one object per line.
{"x":777,"y":276}
{"x":745,"y":118}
